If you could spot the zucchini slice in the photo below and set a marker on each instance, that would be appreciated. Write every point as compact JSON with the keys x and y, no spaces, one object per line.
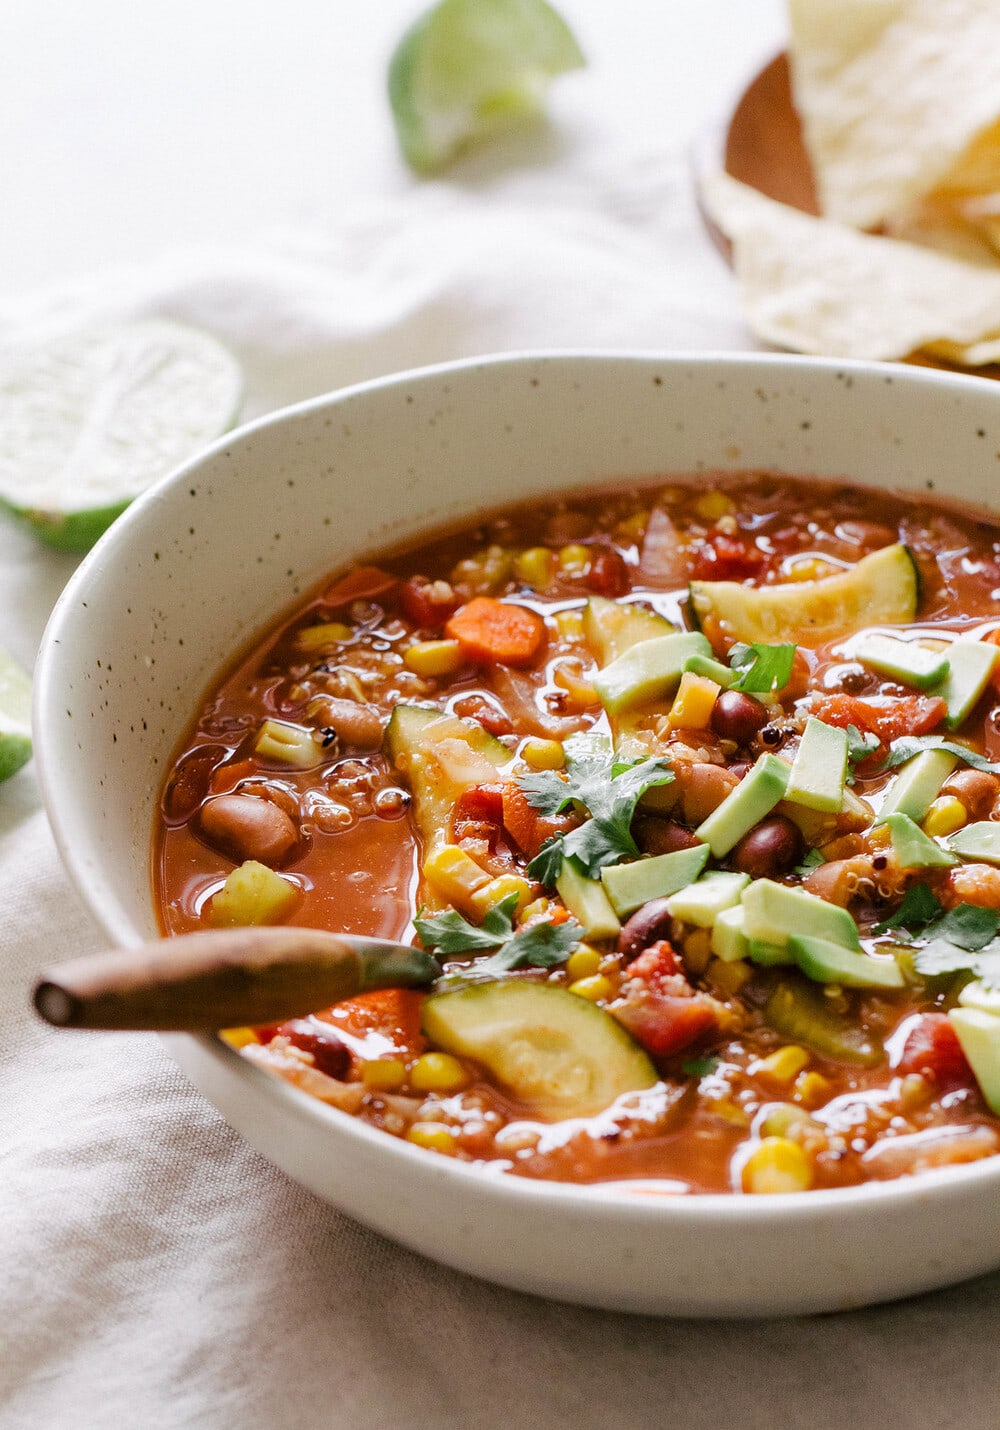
{"x":557,"y":1053}
{"x":613,"y":627}
{"x":882,"y":589}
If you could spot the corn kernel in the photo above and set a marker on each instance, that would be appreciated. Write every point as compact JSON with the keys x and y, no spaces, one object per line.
{"x":581,"y":693}
{"x":694,"y":702}
{"x":442,"y":657}
{"x":728,"y":978}
{"x":784,"y":1119}
{"x":574,"y":559}
{"x":914,"y":1091}
{"x":697,"y":950}
{"x":432,"y":1136}
{"x":455,"y":875}
{"x":569,"y":624}
{"x":594,"y":988}
{"x":437,"y":1072}
{"x":542,"y":754}
{"x":946,"y":814}
{"x":383,"y":1074}
{"x":777,"y":1165}
{"x":252,"y":894}
{"x":238,"y":1037}
{"x":783,"y":1065}
{"x":535,"y":567}
{"x":287,"y":744}
{"x":633,"y":528}
{"x":322,"y":637}
{"x":812,"y":1089}
{"x":711,"y":505}
{"x":810,"y":568}
{"x":492,"y":893}
{"x":538,"y":909}
{"x":583,"y":962}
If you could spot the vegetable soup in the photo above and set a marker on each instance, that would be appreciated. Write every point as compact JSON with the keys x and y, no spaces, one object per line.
{"x":693,"y":790}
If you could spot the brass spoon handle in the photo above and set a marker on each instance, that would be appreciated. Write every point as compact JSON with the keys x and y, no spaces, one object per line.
{"x":227,"y":978}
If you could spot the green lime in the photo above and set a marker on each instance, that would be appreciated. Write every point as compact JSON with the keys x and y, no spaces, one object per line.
{"x":90,"y":421}
{"x":15,"y":716}
{"x":468,"y":67}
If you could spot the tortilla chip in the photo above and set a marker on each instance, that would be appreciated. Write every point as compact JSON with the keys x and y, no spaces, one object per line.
{"x":815,"y":286}
{"x":897,"y":99}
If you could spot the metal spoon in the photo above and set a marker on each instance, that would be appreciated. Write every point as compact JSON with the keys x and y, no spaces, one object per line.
{"x":228,"y":978}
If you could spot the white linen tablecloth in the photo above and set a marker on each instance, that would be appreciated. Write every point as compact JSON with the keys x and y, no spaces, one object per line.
{"x":155,"y":1271}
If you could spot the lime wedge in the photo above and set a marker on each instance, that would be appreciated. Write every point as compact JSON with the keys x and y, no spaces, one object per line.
{"x":467,"y":68}
{"x":90,"y":421}
{"x":15,"y":716}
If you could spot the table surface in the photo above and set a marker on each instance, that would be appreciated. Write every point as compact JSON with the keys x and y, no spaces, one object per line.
{"x":129,"y":134}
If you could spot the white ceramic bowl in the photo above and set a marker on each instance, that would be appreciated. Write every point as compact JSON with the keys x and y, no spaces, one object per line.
{"x":196,"y":566}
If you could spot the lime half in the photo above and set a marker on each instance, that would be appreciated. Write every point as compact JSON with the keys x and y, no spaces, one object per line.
{"x":15,"y":716}
{"x":468,"y":67}
{"x":90,"y":421}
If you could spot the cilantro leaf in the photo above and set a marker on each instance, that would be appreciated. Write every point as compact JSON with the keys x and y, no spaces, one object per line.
{"x":860,"y":744}
{"x":541,"y":945}
{"x":699,"y":1067}
{"x":919,"y":907}
{"x":962,"y":940}
{"x":765,"y":668}
{"x":967,"y":925}
{"x":811,"y":861}
{"x":941,"y":956}
{"x":907,"y":746}
{"x":609,"y":788}
{"x":449,"y":933}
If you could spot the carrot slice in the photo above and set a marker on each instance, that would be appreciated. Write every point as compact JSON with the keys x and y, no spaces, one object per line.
{"x":391,"y":1013}
{"x":493,"y":632}
{"x":364,"y":583}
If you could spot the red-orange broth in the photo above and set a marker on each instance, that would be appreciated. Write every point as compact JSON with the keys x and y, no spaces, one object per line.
{"x":742,"y":1099}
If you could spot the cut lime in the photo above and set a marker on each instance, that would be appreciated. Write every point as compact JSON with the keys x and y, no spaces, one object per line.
{"x":15,"y":716}
{"x":467,"y":68}
{"x":90,"y":421}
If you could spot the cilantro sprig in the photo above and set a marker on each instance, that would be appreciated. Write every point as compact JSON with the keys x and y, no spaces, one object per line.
{"x":907,"y":746}
{"x":965,"y":939}
{"x":764,"y":668}
{"x":539,"y":945}
{"x":609,"y":788}
{"x":860,"y":744}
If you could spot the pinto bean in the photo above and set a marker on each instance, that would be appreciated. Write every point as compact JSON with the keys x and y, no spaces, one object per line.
{"x":646,"y":926}
{"x":249,"y":827}
{"x":355,"y":724}
{"x":977,"y":789}
{"x":703,"y":787}
{"x":770,"y":849}
{"x":660,"y":836}
{"x":738,"y":717}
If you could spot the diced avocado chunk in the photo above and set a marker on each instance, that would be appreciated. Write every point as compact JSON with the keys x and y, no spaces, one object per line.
{"x":801,"y":1012}
{"x":776,"y":911}
{"x":912,"y":847}
{"x":611,"y":628}
{"x":917,"y":783}
{"x":905,"y":661}
{"x":882,"y":589}
{"x":826,"y":962}
{"x":587,"y":902}
{"x":768,"y":955}
{"x":702,"y":902}
{"x":649,"y":671}
{"x":757,"y":793}
{"x":982,"y":996}
{"x":970,"y":665}
{"x":977,"y":841}
{"x":819,"y":768}
{"x":629,"y":886}
{"x":729,"y":940}
{"x":979,"y":1035}
{"x":712,"y":669}
{"x":560,"y":1054}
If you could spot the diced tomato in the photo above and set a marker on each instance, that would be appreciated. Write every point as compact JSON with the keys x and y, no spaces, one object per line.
{"x":609,"y":574}
{"x":426,"y":603}
{"x":489,"y":715}
{"x":331,"y":1054}
{"x":364,"y":583}
{"x":478,"y":814}
{"x":392,"y":1013}
{"x":659,"y":1007}
{"x":932,"y":1048}
{"x":720,"y":556}
{"x":906,"y":715}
